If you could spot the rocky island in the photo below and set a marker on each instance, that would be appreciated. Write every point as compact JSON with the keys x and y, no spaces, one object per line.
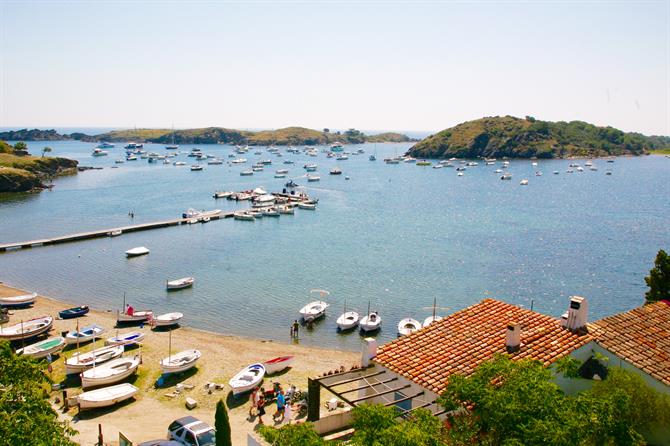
{"x":20,"y":172}
{"x":508,"y":136}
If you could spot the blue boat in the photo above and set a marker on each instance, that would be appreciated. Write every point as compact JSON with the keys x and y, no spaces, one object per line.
{"x":71,"y":313}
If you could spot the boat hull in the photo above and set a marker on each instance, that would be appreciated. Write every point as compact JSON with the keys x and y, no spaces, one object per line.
{"x":276,"y":365}
{"x":248,"y":378}
{"x":18,"y":301}
{"x":50,"y":346}
{"x":84,"y":361}
{"x":175,"y":364}
{"x":27,"y":330}
{"x":72,"y":313}
{"x":107,"y":396}
{"x":99,"y":376}
{"x":127,"y":339}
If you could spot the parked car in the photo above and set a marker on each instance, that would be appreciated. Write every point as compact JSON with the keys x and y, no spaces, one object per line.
{"x":160,"y":443}
{"x":191,"y":431}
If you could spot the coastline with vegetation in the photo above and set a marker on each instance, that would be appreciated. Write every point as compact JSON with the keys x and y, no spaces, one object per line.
{"x":21,"y":172}
{"x":511,"y":137}
{"x":152,"y":409}
{"x":214,"y":135}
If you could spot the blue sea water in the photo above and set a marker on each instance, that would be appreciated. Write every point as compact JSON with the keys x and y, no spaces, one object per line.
{"x":393,"y":236}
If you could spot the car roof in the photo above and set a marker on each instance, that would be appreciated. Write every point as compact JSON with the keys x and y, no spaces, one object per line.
{"x":193,"y":424}
{"x":160,"y":443}
{"x":186,"y":420}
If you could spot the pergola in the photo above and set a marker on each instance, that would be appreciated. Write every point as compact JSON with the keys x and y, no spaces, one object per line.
{"x":360,"y":386}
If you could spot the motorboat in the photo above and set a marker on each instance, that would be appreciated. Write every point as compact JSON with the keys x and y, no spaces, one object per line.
{"x":371,"y":322}
{"x":336,"y":171}
{"x":497,"y":171}
{"x":99,"y":152}
{"x":278,"y":364}
{"x":134,"y":317}
{"x":131,"y":158}
{"x":257,"y":169}
{"x":86,"y":334}
{"x":264,"y":200}
{"x":105,"y":145}
{"x":179,"y":163}
{"x":192,"y":213}
{"x":270,"y":212}
{"x":110,"y":372}
{"x":556,"y":172}
{"x":167,"y":319}
{"x":291,"y":184}
{"x":524,"y":182}
{"x":246,"y":173}
{"x":409,"y":159}
{"x":580,"y":169}
{"x":307,"y":206}
{"x":247,"y":378}
{"x":280,"y":175}
{"x":424,"y":163}
{"x":609,"y":172}
{"x":392,"y":161}
{"x":119,"y":161}
{"x":179,"y":284}
{"x":372,"y":158}
{"x":180,"y":362}
{"x":130,"y":338}
{"x":316,"y":309}
{"x":225,"y":194}
{"x":313,"y":178}
{"x":26,"y":329}
{"x":72,"y":313}
{"x":348,"y":320}
{"x":23,"y":300}
{"x":49,"y":346}
{"x":438,"y":166}
{"x":243,"y":215}
{"x":310,"y":167}
{"x":286,"y":210}
{"x":280,"y":171}
{"x":430,"y":319}
{"x":461,"y":168}
{"x":239,"y":161}
{"x":342,"y":157}
{"x":139,"y":251}
{"x":196,"y":167}
{"x":506,"y":176}
{"x":79,"y":361}
{"x":460,"y":174}
{"x":107,"y":396}
{"x":408,"y":326}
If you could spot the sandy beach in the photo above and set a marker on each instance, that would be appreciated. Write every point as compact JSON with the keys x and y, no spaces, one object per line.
{"x":148,"y":415}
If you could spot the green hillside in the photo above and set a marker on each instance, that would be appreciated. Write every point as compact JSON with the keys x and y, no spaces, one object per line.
{"x":525,"y":138}
{"x":21,"y":173}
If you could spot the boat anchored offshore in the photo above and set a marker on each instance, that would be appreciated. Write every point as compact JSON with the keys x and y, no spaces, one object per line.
{"x":136,"y":252}
{"x":178,"y":284}
{"x":316,"y":309}
{"x":408,"y":326}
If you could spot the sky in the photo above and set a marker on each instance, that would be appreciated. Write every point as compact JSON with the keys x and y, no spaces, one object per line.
{"x":421,"y":66}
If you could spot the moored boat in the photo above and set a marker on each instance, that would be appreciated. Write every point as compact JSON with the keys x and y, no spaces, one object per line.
{"x":348,"y":320}
{"x":18,"y":301}
{"x":371,"y":322}
{"x":49,"y":346}
{"x":278,"y":364}
{"x":316,"y":309}
{"x":139,"y":251}
{"x":307,"y":206}
{"x":107,"y":396}
{"x":408,"y":326}
{"x":247,"y":378}
{"x":178,"y":284}
{"x":110,"y":372}
{"x":430,"y":319}
{"x":26,"y":329}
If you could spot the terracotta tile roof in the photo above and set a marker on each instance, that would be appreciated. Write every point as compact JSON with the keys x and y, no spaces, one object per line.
{"x":640,"y":336}
{"x":461,"y":341}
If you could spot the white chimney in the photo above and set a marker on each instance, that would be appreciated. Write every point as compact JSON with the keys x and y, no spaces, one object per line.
{"x":577,"y":315}
{"x":513,"y":338}
{"x":369,"y":351}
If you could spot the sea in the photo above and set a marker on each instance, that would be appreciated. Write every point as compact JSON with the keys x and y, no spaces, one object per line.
{"x":390,"y":238}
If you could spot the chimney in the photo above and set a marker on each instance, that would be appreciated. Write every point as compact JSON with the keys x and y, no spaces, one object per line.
{"x":576,"y":317}
{"x":369,"y":351}
{"x":513,"y":338}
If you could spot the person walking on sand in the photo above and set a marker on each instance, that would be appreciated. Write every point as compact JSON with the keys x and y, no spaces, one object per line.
{"x":281,"y":406}
{"x":288,"y":413}
{"x":261,"y":405}
{"x":253,"y":399}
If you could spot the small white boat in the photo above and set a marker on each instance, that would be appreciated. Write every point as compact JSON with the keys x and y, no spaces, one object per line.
{"x":271,"y":212}
{"x":179,"y":284}
{"x":313,"y":310}
{"x":313,"y":178}
{"x":115,"y":233}
{"x":280,"y":175}
{"x":107,"y":396}
{"x":100,"y":152}
{"x":430,"y":319}
{"x":506,"y":176}
{"x":248,"y":378}
{"x":524,"y":182}
{"x":26,"y":329}
{"x":49,"y":346}
{"x":179,"y":163}
{"x":196,"y":167}
{"x":538,"y":174}
{"x":167,"y":319}
{"x":133,"y":337}
{"x":139,"y":251}
{"x":18,"y":301}
{"x":225,"y":194}
{"x":243,"y":215}
{"x":278,"y":364}
{"x":408,"y":326}
{"x":348,"y":320}
{"x":110,"y":372}
{"x":460,"y":174}
{"x":307,"y":206}
{"x":286,"y":210}
{"x":180,"y":362}
{"x":84,"y":335}
{"x":79,"y":361}
{"x":246,"y":173}
{"x":371,"y":322}
{"x":137,"y":316}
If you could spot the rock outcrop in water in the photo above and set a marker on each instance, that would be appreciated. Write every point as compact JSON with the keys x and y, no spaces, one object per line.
{"x":496,"y":137}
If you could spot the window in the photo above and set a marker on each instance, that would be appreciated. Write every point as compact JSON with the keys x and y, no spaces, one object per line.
{"x":405,"y":405}
{"x":178,"y":433}
{"x":189,"y":438}
{"x":207,"y":438}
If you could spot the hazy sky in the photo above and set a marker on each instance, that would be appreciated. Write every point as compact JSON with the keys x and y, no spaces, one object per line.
{"x":369,"y":65}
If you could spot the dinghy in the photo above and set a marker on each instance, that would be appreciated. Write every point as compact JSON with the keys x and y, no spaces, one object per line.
{"x":248,"y":378}
{"x":26,"y":329}
{"x":79,"y":362}
{"x":430,"y":319}
{"x":139,"y":251}
{"x":134,"y":337}
{"x":167,"y":319}
{"x":110,"y":372}
{"x":71,"y":313}
{"x":84,"y":335}
{"x":278,"y":364}
{"x":408,"y":326}
{"x":179,"y":284}
{"x":307,"y":206}
{"x":18,"y":301}
{"x":180,"y":362}
{"x":313,"y":310}
{"x":49,"y":346}
{"x":371,"y":322}
{"x":348,"y":320}
{"x":107,"y":396}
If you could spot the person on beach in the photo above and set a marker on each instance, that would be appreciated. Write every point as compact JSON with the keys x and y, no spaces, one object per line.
{"x":261,"y":405}
{"x":296,"y":327}
{"x":288,"y":413}
{"x":281,"y":406}
{"x":253,"y":399}
{"x":129,"y":310}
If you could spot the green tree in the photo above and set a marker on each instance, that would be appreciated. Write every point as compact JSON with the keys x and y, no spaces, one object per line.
{"x":302,"y":434}
{"x":658,"y":279}
{"x":26,"y":417}
{"x":20,"y":146}
{"x":46,"y":150}
{"x":222,"y":425}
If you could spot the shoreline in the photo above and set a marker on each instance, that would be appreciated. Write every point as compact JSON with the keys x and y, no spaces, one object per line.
{"x":148,"y":415}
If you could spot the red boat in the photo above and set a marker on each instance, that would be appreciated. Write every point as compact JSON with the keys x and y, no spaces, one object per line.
{"x":276,"y":365}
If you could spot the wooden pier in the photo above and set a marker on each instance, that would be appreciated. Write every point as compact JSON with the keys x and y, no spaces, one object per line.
{"x":102,"y":233}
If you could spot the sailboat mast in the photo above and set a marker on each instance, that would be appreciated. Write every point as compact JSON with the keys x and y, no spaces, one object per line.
{"x":434,"y":304}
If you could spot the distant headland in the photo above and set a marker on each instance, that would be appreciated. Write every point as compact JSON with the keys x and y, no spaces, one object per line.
{"x":214,"y":135}
{"x":508,"y":136}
